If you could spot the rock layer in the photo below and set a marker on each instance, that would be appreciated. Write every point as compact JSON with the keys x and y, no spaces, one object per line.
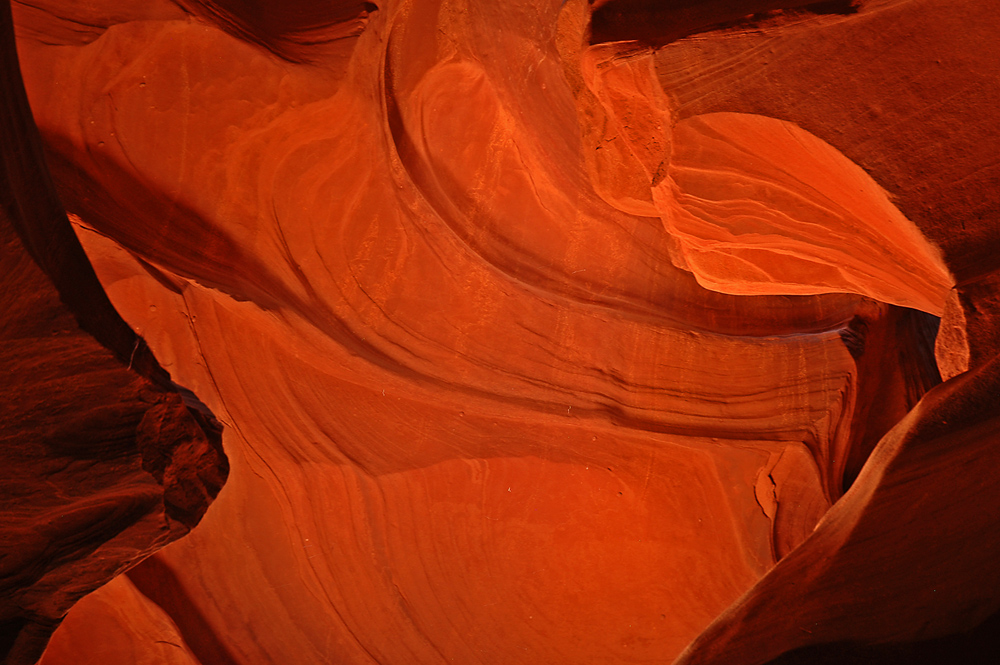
{"x":544,"y":332}
{"x":104,"y":461}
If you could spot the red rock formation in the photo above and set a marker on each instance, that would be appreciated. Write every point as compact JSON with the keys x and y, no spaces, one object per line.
{"x":546,"y":332}
{"x":104,"y":461}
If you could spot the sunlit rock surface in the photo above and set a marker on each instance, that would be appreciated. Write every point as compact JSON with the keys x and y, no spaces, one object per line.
{"x":544,"y":332}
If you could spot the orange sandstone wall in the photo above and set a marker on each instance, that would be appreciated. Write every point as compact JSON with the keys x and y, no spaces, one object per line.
{"x":548,"y":332}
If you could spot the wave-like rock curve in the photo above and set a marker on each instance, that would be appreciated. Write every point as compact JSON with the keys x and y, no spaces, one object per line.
{"x":529,"y":348}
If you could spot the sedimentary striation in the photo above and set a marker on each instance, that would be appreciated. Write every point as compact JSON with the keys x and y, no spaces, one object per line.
{"x":544,"y":332}
{"x":105,"y":459}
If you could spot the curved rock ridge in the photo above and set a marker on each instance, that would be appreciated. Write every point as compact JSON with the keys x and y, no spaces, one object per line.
{"x":761,"y":206}
{"x":897,"y":88}
{"x":525,"y":353}
{"x":106,"y":460}
{"x":753,"y":205}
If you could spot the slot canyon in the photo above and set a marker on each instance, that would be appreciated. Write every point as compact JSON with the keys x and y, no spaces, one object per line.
{"x":533,"y":332}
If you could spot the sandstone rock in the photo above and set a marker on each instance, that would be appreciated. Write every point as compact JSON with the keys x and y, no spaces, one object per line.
{"x":548,"y":332}
{"x":105,"y":459}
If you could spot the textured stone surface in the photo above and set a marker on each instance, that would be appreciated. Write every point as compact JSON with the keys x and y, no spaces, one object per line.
{"x":547,"y":332}
{"x":105,"y":460}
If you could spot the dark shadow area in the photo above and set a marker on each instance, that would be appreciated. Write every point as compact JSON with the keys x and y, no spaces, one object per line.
{"x":157,"y":582}
{"x":85,"y":407}
{"x":299,"y":31}
{"x":980,"y":646}
{"x":894,"y":352}
{"x":658,"y":23}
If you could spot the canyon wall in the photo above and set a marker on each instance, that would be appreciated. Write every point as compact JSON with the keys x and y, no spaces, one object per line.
{"x":537,"y":331}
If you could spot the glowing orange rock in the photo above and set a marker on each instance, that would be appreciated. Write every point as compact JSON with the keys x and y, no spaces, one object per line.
{"x":444,"y":281}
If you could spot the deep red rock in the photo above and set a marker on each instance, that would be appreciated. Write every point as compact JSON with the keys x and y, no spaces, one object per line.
{"x":103,"y":462}
{"x":549,"y":331}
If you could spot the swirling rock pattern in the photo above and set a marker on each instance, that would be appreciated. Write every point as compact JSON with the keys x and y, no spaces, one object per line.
{"x":544,"y":332}
{"x":106,"y":460}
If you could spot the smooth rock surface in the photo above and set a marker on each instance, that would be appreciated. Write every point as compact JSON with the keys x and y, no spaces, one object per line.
{"x":105,"y":459}
{"x":548,"y":332}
